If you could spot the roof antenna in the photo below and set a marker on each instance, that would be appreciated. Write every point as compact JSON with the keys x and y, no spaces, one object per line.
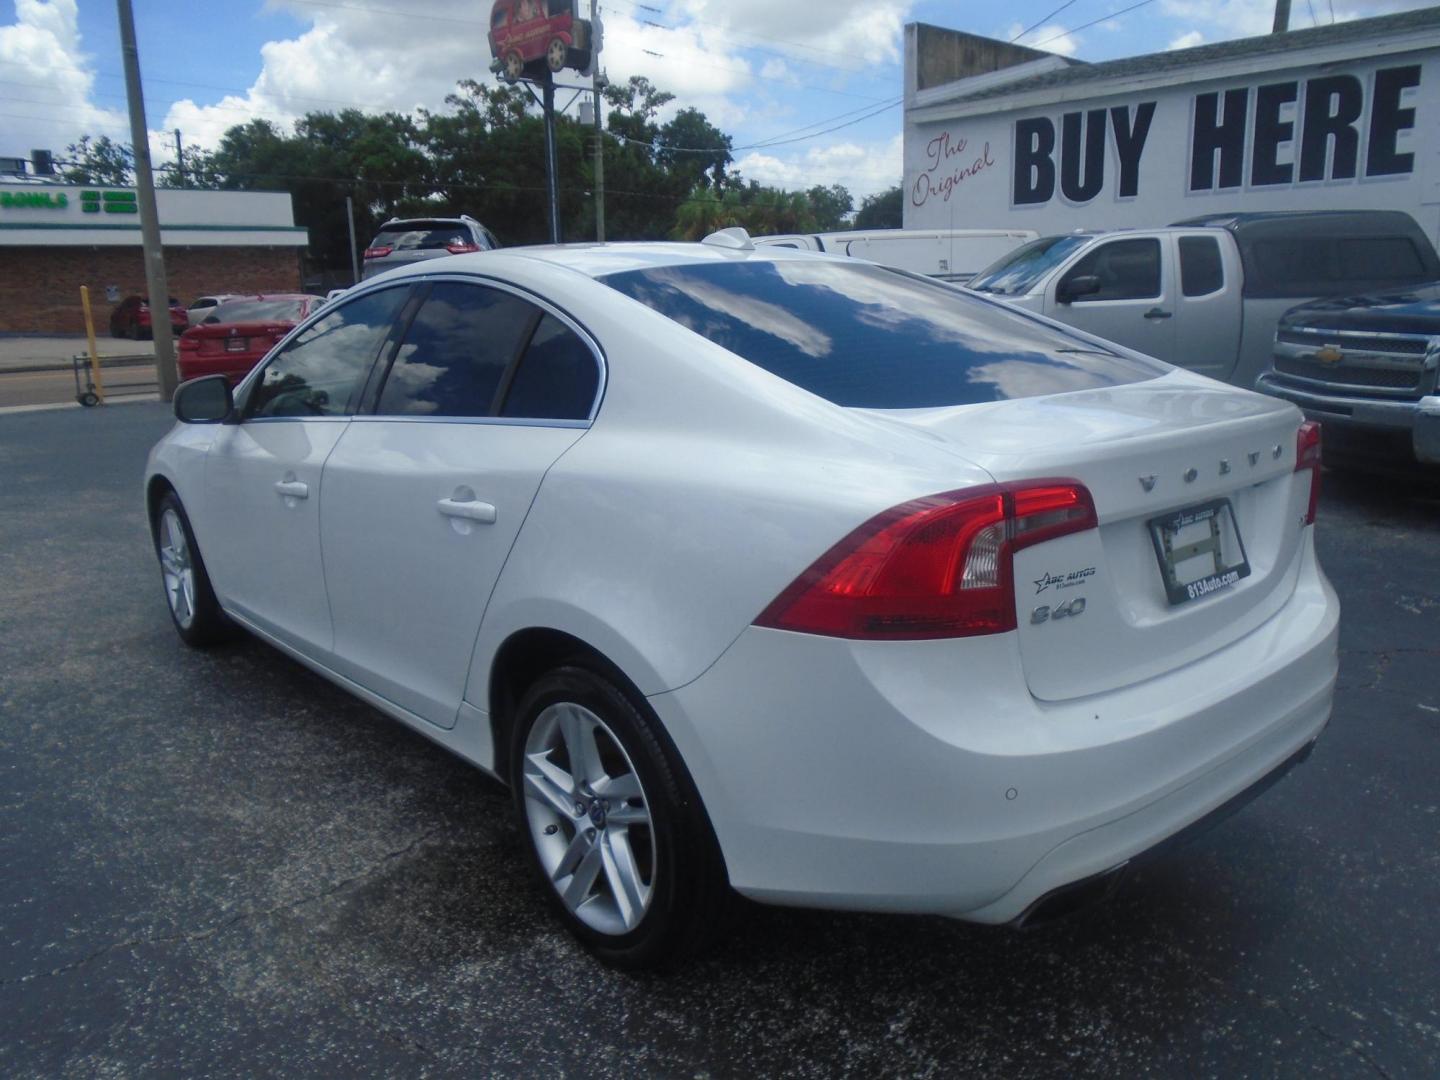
{"x":735,"y":238}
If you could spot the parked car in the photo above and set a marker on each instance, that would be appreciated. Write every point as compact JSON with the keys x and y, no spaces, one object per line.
{"x":131,"y":318}
{"x":1366,"y":365}
{"x":529,"y":35}
{"x":767,"y":570}
{"x":203,"y":306}
{"x":401,"y":241}
{"x":236,"y":335}
{"x":1206,"y":293}
{"x":948,"y":254}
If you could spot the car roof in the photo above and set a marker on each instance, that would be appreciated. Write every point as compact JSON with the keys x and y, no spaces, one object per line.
{"x":596,"y":260}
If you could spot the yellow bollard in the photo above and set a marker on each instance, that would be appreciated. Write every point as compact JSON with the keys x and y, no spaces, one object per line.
{"x":90,"y":338}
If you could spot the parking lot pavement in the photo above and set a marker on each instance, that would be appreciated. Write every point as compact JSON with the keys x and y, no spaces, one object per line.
{"x":218,"y":863}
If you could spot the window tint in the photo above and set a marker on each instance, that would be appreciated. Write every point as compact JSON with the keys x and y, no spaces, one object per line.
{"x":556,"y":379}
{"x":1127,"y":269}
{"x":455,"y":352}
{"x":319,"y":372}
{"x":1379,"y":257}
{"x":863,"y":336}
{"x":1200,"y":270}
{"x":258,"y":311}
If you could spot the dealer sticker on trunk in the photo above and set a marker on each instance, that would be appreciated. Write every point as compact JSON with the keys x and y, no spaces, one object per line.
{"x":1199,"y":549}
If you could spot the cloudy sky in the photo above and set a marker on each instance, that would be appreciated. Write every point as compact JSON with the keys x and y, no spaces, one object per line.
{"x":808,"y":97}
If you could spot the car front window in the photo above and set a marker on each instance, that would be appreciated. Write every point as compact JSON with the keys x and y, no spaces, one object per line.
{"x":1016,"y":273}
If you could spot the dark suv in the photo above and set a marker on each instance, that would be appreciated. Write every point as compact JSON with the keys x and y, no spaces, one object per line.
{"x":402,"y":241}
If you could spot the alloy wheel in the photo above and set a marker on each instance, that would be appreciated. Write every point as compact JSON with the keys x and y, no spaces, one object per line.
{"x":589,"y":818}
{"x":176,"y":568}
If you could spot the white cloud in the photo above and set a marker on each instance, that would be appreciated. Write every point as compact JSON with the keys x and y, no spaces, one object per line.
{"x":851,"y":33}
{"x":1051,"y":38}
{"x":1187,"y":40}
{"x":1226,"y":19}
{"x":862,"y":167}
{"x":48,"y":82}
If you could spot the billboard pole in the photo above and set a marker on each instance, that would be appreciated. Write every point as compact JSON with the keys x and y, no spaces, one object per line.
{"x":551,"y":186}
{"x":155,"y":284}
{"x":599,"y":130}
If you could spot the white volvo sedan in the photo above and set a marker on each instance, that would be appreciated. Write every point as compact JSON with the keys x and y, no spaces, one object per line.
{"x":766,"y":571}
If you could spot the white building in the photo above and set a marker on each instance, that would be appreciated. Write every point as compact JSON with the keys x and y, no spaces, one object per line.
{"x":1335,"y":117}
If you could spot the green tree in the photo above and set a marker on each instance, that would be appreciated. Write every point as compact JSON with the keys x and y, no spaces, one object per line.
{"x":881,"y":211}
{"x":99,"y":161}
{"x":830,"y":205}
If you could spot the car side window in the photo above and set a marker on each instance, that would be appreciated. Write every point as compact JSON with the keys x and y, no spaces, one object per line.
{"x":321,"y":371}
{"x":557,"y":378}
{"x":1201,"y":271}
{"x":455,"y":352}
{"x":1127,"y":269}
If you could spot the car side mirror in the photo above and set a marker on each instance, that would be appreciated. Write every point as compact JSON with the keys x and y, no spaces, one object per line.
{"x":207,"y":400}
{"x":1073,"y":289}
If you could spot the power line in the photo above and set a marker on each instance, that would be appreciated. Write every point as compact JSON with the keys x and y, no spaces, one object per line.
{"x":1093,"y":22}
{"x":1042,"y":22}
{"x":761,"y":145}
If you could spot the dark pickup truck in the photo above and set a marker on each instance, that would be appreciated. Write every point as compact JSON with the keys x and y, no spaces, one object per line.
{"x":1366,"y":367}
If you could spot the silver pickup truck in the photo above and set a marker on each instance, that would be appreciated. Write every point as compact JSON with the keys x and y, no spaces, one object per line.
{"x":1206,"y":294}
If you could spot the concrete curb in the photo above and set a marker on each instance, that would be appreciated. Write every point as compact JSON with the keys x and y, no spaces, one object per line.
{"x":65,"y":365}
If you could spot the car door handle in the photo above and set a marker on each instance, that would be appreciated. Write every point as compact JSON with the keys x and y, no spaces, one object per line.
{"x":295,"y":489}
{"x":1158,"y":313}
{"x":469,"y":509}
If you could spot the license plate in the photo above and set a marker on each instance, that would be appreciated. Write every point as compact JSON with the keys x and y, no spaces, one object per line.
{"x":1199,"y":549}
{"x":236,"y":344}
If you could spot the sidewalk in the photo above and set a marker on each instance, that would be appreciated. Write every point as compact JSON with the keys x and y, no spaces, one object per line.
{"x":24,"y":353}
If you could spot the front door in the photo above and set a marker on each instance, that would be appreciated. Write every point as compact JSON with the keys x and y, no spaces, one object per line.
{"x":1134,"y":305}
{"x":263,"y":475}
{"x":425,"y":495}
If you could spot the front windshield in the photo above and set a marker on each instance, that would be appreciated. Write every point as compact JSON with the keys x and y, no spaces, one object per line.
{"x":1015,"y":274}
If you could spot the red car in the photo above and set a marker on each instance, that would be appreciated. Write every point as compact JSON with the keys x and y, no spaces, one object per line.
{"x":240,"y":332}
{"x":524,"y":33}
{"x":131,"y":318}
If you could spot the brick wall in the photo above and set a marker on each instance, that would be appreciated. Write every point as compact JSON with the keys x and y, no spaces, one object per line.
{"x":40,"y":286}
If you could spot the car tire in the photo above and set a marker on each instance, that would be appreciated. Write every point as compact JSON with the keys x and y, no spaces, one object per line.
{"x":640,"y":879}
{"x":514,"y":66}
{"x":188,"y":594}
{"x":556,"y":55}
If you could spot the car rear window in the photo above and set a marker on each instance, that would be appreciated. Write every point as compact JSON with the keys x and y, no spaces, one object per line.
{"x":421,"y":238}
{"x":1307,"y":266}
{"x":258,"y":311}
{"x":866,"y":337}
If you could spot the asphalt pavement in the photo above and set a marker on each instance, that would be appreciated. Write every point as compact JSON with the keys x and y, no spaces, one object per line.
{"x":215,"y":863}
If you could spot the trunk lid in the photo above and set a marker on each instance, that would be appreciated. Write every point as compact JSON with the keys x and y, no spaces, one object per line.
{"x":1145,"y":451}
{"x":215,"y":339}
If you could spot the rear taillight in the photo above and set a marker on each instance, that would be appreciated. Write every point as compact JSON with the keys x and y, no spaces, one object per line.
{"x":377,"y":252}
{"x":461,"y":249}
{"x":937,"y":567}
{"x":1307,"y":456}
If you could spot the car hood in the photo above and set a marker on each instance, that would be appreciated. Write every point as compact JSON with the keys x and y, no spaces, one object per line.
{"x":1411,"y":310}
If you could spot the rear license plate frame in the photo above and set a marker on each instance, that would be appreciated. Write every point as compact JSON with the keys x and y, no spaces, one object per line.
{"x":237,"y":344}
{"x":1224,"y":536}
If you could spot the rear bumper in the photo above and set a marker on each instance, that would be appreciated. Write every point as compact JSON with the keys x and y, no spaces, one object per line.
{"x":923,"y":777}
{"x":1420,"y":420}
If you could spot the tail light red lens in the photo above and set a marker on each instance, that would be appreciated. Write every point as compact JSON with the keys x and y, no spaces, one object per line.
{"x":461,"y":249}
{"x":936,"y":567}
{"x":378,"y":252}
{"x":1307,"y":456}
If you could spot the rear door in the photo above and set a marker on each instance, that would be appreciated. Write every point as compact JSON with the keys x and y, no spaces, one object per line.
{"x":1207,"y":305}
{"x":1135,"y":303}
{"x":427,"y":489}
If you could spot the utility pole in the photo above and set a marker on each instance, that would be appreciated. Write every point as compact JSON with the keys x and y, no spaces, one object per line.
{"x":179,"y":160}
{"x":155,"y":283}
{"x":354,"y":258}
{"x":596,"y":81}
{"x":1282,"y":17}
